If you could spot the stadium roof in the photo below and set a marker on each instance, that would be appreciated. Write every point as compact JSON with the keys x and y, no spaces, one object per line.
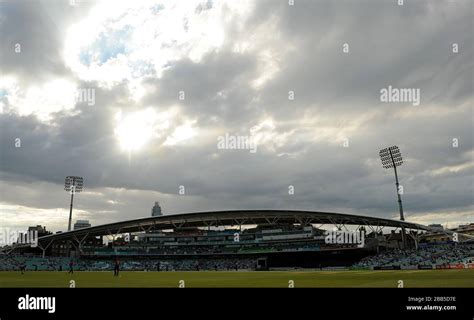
{"x":233,"y":218}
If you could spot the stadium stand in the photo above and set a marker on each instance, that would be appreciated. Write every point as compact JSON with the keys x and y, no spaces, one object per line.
{"x":14,"y":263}
{"x":430,"y":255}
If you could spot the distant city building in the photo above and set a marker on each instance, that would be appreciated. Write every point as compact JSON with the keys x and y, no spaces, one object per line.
{"x":32,"y":233}
{"x":156,"y":210}
{"x":40,"y":229}
{"x":440,"y":234}
{"x":81,"y":224}
{"x":468,"y":228}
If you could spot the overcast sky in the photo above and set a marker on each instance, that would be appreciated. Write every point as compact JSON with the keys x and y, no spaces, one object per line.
{"x":135,"y":95}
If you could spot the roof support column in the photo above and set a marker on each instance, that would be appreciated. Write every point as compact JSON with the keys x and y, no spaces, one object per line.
{"x":79,"y":242}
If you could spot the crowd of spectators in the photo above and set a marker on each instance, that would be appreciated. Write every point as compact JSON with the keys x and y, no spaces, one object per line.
{"x":429,"y":255}
{"x":12,"y":263}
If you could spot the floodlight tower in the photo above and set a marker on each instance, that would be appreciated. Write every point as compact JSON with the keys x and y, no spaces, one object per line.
{"x":392,"y":158}
{"x":72,"y":184}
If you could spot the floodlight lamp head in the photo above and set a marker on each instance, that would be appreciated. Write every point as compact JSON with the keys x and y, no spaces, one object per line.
{"x":390,"y":157}
{"x":73,"y":183}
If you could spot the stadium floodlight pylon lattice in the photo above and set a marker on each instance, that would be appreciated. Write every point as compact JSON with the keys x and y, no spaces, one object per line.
{"x":392,"y":158}
{"x":73,"y":184}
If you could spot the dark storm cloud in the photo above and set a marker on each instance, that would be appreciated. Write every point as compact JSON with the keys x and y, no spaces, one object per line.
{"x":408,"y":46}
{"x":216,"y":86}
{"x":337,"y":95}
{"x":38,"y":27}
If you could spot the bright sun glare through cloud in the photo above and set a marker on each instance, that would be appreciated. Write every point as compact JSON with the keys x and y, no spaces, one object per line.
{"x":134,"y":130}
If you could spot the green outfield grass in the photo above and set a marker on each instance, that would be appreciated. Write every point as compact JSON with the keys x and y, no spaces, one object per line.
{"x":411,"y":278}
